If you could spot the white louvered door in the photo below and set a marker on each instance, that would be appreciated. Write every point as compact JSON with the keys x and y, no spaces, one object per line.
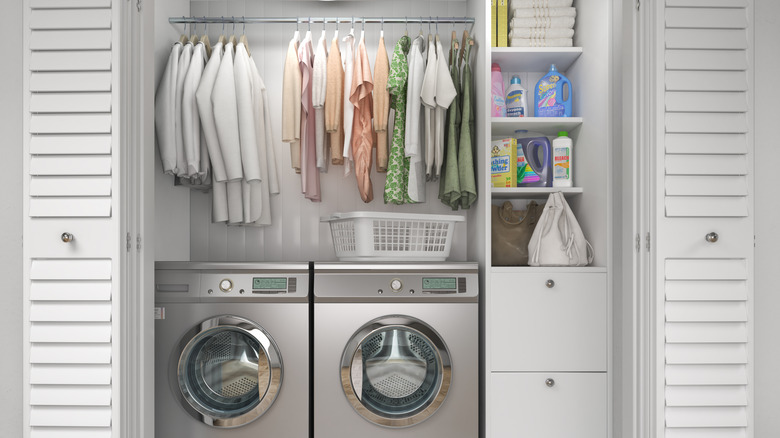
{"x":703,"y":166}
{"x":71,"y":186}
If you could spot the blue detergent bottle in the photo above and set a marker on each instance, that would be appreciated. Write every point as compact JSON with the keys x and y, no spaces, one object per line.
{"x":549,"y":95}
{"x":534,"y":160}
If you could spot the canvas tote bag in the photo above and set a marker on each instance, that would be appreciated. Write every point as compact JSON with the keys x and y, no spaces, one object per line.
{"x":558,"y":239}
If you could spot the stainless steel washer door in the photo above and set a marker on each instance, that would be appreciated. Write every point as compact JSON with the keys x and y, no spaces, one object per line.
{"x":229,"y":371}
{"x":396,"y":371}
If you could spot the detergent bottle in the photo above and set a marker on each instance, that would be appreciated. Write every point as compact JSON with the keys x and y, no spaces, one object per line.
{"x":515,"y":98}
{"x":497,"y":102}
{"x":534,"y":160}
{"x":549,"y":95}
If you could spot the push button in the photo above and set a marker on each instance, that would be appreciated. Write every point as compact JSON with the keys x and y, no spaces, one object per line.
{"x":226,"y":285}
{"x":396,"y":285}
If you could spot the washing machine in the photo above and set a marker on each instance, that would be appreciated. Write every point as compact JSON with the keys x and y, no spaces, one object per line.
{"x":232,"y":351}
{"x":396,"y":350}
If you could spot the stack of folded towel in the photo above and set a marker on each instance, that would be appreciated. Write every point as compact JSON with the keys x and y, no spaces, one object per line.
{"x":542,"y":23}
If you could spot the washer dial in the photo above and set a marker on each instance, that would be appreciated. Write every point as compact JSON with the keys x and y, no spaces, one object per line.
{"x":396,"y":285}
{"x":226,"y":285}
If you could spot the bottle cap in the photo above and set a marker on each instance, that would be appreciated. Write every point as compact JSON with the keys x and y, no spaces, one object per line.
{"x":515,"y":80}
{"x":495,"y":67}
{"x":553,"y":68}
{"x":563,"y":134}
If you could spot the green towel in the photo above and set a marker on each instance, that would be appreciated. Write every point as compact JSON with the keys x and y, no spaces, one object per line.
{"x":449,"y":184}
{"x":468,"y":185}
{"x":397,"y":177}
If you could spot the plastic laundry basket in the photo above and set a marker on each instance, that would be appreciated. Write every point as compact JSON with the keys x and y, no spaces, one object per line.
{"x":381,"y":236}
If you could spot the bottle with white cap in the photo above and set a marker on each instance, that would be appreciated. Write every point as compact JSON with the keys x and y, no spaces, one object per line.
{"x":515,"y":98}
{"x":562,"y":148}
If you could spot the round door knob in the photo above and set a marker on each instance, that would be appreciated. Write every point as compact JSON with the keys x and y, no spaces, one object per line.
{"x":67,"y":237}
{"x":226,"y":285}
{"x":711,"y":237}
{"x":550,"y":284}
{"x":549,"y":382}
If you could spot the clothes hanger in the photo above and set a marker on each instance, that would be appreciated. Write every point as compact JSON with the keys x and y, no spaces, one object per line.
{"x":232,"y":38}
{"x":466,"y":40}
{"x":406,"y":30}
{"x":382,"y":29}
{"x":243,"y":38}
{"x":297,"y":34}
{"x":223,"y":38}
{"x":336,"y":33}
{"x":183,"y":38}
{"x":205,"y":38}
{"x":363,"y":30}
{"x":194,"y":37}
{"x":437,"y":30}
{"x":324,"y":21}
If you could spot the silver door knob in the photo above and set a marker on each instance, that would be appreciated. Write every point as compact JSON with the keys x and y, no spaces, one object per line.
{"x":67,"y":237}
{"x":711,"y":237}
{"x":549,"y":382}
{"x":550,"y":284}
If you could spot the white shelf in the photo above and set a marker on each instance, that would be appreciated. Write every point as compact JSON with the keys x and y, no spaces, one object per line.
{"x":506,"y":126}
{"x":532,"y":192}
{"x":534,"y":59}
{"x":546,"y":269}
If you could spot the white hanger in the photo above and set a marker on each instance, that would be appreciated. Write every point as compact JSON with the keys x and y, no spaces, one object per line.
{"x":382,"y":29}
{"x":336,"y":33}
{"x":297,"y":34}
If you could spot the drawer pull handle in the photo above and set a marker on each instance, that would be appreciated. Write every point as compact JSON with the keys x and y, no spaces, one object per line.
{"x":549,"y":382}
{"x":67,"y":237}
{"x":711,"y":237}
{"x":550,"y":284}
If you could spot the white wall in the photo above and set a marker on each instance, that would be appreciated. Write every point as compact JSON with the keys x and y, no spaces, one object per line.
{"x":767,"y":213}
{"x":11,"y":220}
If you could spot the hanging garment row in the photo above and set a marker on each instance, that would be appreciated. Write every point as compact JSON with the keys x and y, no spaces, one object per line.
{"x":214,"y":130}
{"x":333,"y":107}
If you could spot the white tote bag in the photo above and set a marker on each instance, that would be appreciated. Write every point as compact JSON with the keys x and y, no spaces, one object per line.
{"x":558,"y":239}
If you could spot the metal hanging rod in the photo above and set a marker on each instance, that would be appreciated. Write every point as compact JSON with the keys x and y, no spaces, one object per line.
{"x":325,"y":20}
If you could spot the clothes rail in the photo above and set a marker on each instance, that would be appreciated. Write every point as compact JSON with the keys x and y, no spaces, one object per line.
{"x":324,"y":20}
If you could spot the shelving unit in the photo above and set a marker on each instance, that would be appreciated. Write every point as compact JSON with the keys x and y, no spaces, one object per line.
{"x":557,"y":319}
{"x":532,"y":192}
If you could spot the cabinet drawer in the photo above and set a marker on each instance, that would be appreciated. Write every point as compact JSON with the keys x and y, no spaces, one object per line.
{"x":574,"y":405}
{"x":92,"y":237}
{"x":541,"y":328}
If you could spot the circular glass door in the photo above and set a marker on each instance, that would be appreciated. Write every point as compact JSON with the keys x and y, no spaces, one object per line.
{"x":396,"y":371}
{"x":229,"y":371}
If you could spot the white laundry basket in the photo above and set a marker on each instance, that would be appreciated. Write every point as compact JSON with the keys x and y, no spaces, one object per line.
{"x":382,"y":236}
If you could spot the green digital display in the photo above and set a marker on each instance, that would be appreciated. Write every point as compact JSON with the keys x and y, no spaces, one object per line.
{"x":269,"y":283}
{"x":449,"y":283}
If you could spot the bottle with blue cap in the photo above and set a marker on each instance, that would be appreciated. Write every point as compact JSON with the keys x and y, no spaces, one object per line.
{"x":515,"y":98}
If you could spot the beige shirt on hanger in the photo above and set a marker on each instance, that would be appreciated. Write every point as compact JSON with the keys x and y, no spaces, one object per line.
{"x":291,"y":103}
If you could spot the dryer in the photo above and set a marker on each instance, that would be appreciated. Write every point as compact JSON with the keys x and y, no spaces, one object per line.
{"x":232,"y":350}
{"x":396,"y":350}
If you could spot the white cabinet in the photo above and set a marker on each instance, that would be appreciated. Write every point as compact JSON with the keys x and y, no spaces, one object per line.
{"x":553,"y":321}
{"x":549,"y":405}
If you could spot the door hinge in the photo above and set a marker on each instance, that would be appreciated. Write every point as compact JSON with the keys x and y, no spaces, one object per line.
{"x":638,"y":244}
{"x":637,"y":4}
{"x":129,"y":239}
{"x":138,"y":243}
{"x":138,"y":5}
{"x":647,"y":241}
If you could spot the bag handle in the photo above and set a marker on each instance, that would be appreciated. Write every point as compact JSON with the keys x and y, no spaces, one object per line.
{"x":506,"y":209}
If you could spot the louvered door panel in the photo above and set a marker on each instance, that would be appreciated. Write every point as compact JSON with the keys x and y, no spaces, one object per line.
{"x":72,"y":130}
{"x":704,"y":180}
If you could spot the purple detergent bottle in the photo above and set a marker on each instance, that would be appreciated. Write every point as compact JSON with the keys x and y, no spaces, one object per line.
{"x":534,"y":160}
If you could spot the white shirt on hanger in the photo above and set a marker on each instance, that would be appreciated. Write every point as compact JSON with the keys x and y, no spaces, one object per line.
{"x":318,"y":101}
{"x":190,"y":117}
{"x":428,"y":97}
{"x":219,"y":205}
{"x":248,"y":140}
{"x":165,"y":111}
{"x":184,"y":65}
{"x":416,"y":186}
{"x":223,"y":99}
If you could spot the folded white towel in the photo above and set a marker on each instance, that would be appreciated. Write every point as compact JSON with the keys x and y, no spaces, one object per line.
{"x":544,"y":42}
{"x":563,"y":22}
{"x":540,"y":33}
{"x":544,"y":12}
{"x":541,"y":3}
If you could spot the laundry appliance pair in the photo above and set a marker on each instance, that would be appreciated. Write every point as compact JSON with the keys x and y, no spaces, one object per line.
{"x":319,"y":350}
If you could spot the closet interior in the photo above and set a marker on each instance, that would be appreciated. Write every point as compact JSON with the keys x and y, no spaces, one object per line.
{"x":184,"y":226}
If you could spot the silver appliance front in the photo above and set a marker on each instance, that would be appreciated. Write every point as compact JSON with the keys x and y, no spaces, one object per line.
{"x":396,"y":371}
{"x":227,"y":371}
